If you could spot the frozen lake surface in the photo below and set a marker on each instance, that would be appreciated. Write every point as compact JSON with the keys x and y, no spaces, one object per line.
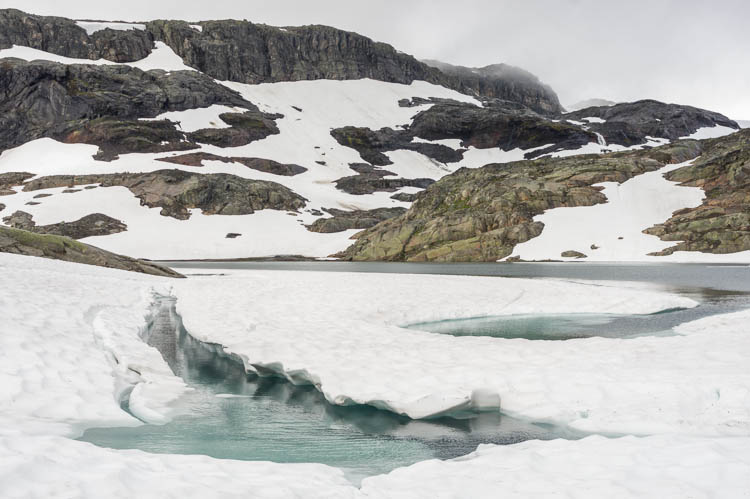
{"x":231,"y":414}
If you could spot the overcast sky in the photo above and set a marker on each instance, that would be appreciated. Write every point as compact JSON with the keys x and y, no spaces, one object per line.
{"x":689,"y":51}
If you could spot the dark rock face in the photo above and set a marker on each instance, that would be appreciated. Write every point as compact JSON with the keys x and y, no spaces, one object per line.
{"x":497,"y":125}
{"x":95,"y":224}
{"x":263,"y":165}
{"x":245,"y":128}
{"x":47,"y":99}
{"x":359,"y":219}
{"x":481,"y":214}
{"x":629,"y":123}
{"x":255,"y":53}
{"x":115,"y":137}
{"x":62,"y":36}
{"x":22,"y":242}
{"x":371,"y":144}
{"x":176,"y":191}
{"x":721,"y":224}
{"x":503,"y":82}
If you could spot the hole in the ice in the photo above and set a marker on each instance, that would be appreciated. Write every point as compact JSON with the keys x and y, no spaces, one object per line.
{"x":559,"y":326}
{"x":235,"y":415}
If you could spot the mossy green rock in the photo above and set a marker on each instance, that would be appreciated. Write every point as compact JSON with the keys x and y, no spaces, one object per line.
{"x":481,"y":214}
{"x":22,"y":242}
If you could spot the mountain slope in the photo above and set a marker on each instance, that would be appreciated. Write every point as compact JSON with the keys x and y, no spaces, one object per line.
{"x":154,"y":158}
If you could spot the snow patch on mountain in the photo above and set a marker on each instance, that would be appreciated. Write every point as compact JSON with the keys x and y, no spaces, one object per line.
{"x":615,"y":227}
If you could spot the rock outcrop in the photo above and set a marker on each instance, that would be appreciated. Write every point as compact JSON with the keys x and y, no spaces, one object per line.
{"x":62,"y":36}
{"x":177,"y":191}
{"x":721,"y":224}
{"x":95,"y":224}
{"x":23,"y":242}
{"x":630,"y":123}
{"x":481,"y":214}
{"x":48,"y":99}
{"x":260,"y":164}
{"x":341,"y":220}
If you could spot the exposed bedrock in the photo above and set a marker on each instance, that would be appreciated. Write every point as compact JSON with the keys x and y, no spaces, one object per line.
{"x":260,"y":164}
{"x":47,"y":99}
{"x":177,"y":191}
{"x":481,"y":214}
{"x":95,"y":224}
{"x":721,"y":224}
{"x":341,"y":220}
{"x":23,"y":242}
{"x":62,"y":36}
{"x":11,"y":179}
{"x":367,"y":183}
{"x":498,"y":124}
{"x":630,"y":123}
{"x":371,"y":144}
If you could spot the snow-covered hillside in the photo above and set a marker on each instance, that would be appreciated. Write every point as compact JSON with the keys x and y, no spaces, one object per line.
{"x":311,"y":110}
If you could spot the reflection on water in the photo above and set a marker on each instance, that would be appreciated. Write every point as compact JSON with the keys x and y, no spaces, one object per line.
{"x":239,"y":416}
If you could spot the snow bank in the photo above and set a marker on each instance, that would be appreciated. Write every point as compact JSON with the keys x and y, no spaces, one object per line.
{"x":342,"y":322}
{"x":161,"y":57}
{"x":710,"y":132}
{"x":595,"y":467}
{"x":54,"y":467}
{"x":200,"y":118}
{"x":67,"y":330}
{"x":30,"y":54}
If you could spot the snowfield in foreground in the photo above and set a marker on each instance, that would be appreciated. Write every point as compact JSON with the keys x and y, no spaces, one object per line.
{"x":70,"y":348}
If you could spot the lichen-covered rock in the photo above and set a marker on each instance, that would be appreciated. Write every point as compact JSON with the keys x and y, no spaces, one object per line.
{"x":23,"y":242}
{"x":177,"y":191}
{"x":11,"y":179}
{"x":341,"y":220}
{"x":721,"y":224}
{"x":481,"y":214}
{"x":572,"y":254}
{"x":96,"y":224}
{"x":367,"y":183}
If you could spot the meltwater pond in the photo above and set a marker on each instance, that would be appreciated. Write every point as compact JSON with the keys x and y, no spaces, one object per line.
{"x":230,"y":414}
{"x":234,"y":415}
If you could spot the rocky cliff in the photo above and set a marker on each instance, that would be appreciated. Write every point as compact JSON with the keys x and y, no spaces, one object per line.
{"x":246,"y":52}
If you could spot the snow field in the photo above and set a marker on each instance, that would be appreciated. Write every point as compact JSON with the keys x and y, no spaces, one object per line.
{"x":64,"y":323}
